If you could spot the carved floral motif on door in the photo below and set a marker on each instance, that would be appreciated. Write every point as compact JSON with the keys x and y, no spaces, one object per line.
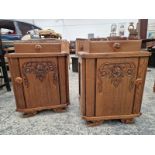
{"x":116,"y":72}
{"x":40,"y":69}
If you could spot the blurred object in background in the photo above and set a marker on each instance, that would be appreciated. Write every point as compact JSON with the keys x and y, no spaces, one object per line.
{"x":72,"y":47}
{"x":133,"y":33}
{"x":49,"y":33}
{"x":113,"y":30}
{"x":121,"y":30}
{"x":32,"y":34}
{"x":98,"y":39}
{"x":26,"y":37}
{"x":90,"y":35}
{"x":116,"y":38}
{"x":151,"y":35}
{"x":12,"y":30}
{"x":151,"y":29}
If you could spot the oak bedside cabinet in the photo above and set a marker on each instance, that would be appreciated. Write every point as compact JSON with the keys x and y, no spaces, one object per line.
{"x":39,"y":72}
{"x":111,"y":80}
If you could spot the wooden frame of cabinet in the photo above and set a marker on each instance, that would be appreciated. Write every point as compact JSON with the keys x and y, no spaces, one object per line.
{"x":111,"y":85}
{"x":39,"y":72}
{"x":40,"y":81}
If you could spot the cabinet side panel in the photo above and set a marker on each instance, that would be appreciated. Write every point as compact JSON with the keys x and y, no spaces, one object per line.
{"x":83,"y":86}
{"x":142,"y":68}
{"x":67,"y":78}
{"x":90,"y":87}
{"x":65,"y":46}
{"x":62,"y":79}
{"x":79,"y":77}
{"x":82,"y":45}
{"x":18,"y":88}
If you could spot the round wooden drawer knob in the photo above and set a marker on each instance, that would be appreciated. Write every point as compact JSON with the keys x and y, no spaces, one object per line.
{"x":18,"y":80}
{"x":38,"y":47}
{"x":117,"y":45}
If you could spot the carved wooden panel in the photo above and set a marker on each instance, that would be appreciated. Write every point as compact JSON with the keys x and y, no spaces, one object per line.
{"x":116,"y":72}
{"x":40,"y":69}
{"x":40,"y":81}
{"x":115,"y":85}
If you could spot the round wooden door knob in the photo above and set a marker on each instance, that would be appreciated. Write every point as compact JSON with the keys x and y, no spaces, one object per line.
{"x":138,"y":81}
{"x":117,"y":45}
{"x":18,"y":80}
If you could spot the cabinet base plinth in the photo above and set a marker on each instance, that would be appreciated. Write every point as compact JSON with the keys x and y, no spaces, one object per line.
{"x":28,"y":112}
{"x":94,"y":121}
{"x":63,"y":109}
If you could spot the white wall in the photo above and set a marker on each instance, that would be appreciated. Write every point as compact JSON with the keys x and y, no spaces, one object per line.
{"x":79,"y":28}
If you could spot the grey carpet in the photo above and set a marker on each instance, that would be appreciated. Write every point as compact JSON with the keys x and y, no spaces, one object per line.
{"x":70,"y":122}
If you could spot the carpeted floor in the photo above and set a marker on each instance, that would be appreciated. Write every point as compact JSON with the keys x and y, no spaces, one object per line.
{"x":70,"y":122}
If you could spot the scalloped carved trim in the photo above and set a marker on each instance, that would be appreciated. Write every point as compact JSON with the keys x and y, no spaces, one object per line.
{"x":116,"y":72}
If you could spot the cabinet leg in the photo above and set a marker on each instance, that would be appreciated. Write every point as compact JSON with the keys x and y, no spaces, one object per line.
{"x":154,"y":88}
{"x":127,"y":121}
{"x":94,"y":123}
{"x":60,"y":109}
{"x":29,"y":114}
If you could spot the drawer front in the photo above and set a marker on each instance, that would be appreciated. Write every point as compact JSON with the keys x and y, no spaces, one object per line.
{"x":114,"y":46}
{"x":37,"y":47}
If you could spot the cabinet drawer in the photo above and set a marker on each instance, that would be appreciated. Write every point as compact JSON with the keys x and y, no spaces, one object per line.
{"x":114,"y":46}
{"x":37,"y":47}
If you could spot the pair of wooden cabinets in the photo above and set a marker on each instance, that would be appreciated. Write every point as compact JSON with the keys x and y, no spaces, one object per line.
{"x":39,"y":71}
{"x":111,"y":80}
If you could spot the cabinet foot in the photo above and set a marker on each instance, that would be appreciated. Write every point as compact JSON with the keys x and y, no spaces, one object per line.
{"x":94,"y":123}
{"x":127,"y":121}
{"x":30,"y":114}
{"x":60,"y":109}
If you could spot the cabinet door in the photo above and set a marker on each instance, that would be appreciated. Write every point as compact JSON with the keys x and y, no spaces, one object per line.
{"x":40,"y":81}
{"x":115,"y":86}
